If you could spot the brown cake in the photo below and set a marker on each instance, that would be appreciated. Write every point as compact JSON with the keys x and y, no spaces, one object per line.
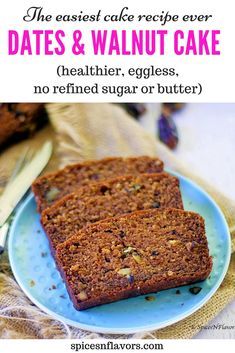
{"x":132,"y":184}
{"x":51,"y":187}
{"x":107,"y":199}
{"x":129,"y":255}
{"x":19,"y":120}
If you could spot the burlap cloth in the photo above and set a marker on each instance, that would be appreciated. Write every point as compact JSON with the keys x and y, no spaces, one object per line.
{"x":89,"y":131}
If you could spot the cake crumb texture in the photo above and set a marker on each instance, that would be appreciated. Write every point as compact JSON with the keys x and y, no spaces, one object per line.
{"x":100,"y":200}
{"x":134,"y":254}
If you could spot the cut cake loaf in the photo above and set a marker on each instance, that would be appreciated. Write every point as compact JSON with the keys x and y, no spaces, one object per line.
{"x":129,"y":255}
{"x":107,"y":199}
{"x":51,"y":187}
{"x":19,"y":121}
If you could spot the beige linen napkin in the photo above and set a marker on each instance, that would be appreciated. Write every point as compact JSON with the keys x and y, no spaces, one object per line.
{"x":90,"y":131}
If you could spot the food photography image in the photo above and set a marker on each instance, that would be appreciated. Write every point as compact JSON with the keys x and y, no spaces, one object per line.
{"x":117,"y":221}
{"x":117,"y":192}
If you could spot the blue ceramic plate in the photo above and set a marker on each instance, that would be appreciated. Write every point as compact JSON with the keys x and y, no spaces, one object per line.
{"x":36,"y":273}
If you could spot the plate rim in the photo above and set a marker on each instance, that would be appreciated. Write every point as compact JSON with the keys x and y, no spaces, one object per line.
{"x":146,"y":328}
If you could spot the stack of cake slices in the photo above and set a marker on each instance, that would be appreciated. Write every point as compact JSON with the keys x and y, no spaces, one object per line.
{"x":117,"y":229}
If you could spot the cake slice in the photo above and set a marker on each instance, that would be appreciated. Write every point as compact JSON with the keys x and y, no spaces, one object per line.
{"x":107,"y":199}
{"x":134,"y":254}
{"x":51,"y":187}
